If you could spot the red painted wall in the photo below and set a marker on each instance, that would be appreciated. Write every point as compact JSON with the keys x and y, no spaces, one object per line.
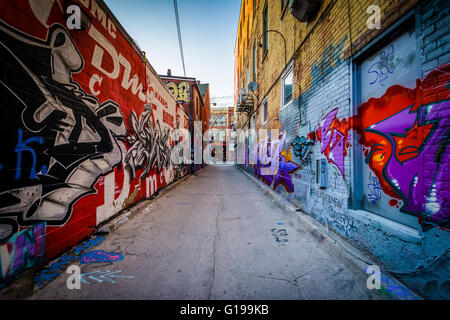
{"x":79,"y":144}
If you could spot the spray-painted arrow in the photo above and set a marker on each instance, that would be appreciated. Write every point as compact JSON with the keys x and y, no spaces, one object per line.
{"x":101,"y":276}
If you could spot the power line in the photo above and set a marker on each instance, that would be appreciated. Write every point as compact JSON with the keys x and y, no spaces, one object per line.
{"x":179,"y":35}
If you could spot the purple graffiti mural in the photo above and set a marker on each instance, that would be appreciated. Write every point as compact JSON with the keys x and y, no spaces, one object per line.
{"x":274,"y":173}
{"x":282,"y":176}
{"x":415,"y":164}
{"x":334,"y":139}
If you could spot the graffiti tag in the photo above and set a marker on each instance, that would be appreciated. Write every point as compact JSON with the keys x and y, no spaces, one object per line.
{"x":100,"y":256}
{"x":375,"y":189}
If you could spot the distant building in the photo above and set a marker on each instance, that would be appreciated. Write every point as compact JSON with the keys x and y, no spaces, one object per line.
{"x":194,"y":97}
{"x":204,"y":91}
{"x":221,"y":102}
{"x":187,"y":92}
{"x":221,"y":121}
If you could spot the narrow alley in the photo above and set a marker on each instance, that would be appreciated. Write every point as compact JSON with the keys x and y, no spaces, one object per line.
{"x":215,"y":151}
{"x":214,"y":236}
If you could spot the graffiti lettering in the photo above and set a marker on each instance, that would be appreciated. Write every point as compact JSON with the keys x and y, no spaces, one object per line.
{"x":272,"y":169}
{"x":375,"y":190}
{"x":100,"y":256}
{"x":24,"y":250}
{"x":181,"y":92}
{"x":168,"y":119}
{"x":331,"y":57}
{"x":279,"y":234}
{"x":334,"y":139}
{"x":149,"y":148}
{"x":382,"y":68}
{"x":23,"y":146}
{"x":55,"y":269}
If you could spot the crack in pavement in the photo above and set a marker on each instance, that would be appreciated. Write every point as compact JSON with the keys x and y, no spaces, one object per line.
{"x":293,"y":282}
{"x":221,"y":207}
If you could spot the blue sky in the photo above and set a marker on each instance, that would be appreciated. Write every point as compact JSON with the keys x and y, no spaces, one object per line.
{"x":208,"y":30}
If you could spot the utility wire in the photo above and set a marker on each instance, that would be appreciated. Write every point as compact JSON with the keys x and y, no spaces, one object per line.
{"x":179,"y":35}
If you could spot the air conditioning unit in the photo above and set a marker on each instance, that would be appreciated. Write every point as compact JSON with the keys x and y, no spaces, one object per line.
{"x":305,"y":10}
{"x":242,"y":95}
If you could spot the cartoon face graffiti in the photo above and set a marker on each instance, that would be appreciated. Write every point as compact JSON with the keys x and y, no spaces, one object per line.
{"x":406,"y":133}
{"x":412,"y":160}
{"x":302,"y":150}
{"x":60,"y":139}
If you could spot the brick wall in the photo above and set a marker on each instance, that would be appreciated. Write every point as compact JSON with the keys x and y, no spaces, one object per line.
{"x":327,"y":121}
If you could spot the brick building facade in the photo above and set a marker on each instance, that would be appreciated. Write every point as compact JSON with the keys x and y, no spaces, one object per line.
{"x":194,"y":97}
{"x":364,"y":118}
{"x":221,"y":121}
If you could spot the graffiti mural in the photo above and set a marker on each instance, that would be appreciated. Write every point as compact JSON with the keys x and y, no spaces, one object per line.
{"x":274,"y":172}
{"x":22,"y":251}
{"x":331,"y":57}
{"x":56,"y":268}
{"x":181,"y":91}
{"x":333,"y":136}
{"x":302,"y":150}
{"x":149,"y":147}
{"x":69,"y":137}
{"x":406,"y":133}
{"x":77,"y":137}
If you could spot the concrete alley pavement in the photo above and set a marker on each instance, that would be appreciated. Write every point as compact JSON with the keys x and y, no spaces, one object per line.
{"x":215,"y":236}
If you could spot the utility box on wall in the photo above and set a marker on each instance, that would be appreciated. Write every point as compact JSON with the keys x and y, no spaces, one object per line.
{"x":323,"y":173}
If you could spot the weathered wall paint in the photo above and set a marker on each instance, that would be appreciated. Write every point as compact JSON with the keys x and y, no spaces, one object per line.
{"x":86,"y":125}
{"x":401,"y":134}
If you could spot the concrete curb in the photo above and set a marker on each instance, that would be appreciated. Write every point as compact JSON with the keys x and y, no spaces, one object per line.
{"x":338,"y":247}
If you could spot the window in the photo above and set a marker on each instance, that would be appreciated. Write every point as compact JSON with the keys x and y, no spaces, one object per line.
{"x":266,"y":28}
{"x":248,"y":75}
{"x":197,"y":108}
{"x":254,"y":61}
{"x":264,"y":111}
{"x":287,"y":82}
{"x":248,"y":30}
{"x":216,"y":120}
{"x":240,"y":33}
